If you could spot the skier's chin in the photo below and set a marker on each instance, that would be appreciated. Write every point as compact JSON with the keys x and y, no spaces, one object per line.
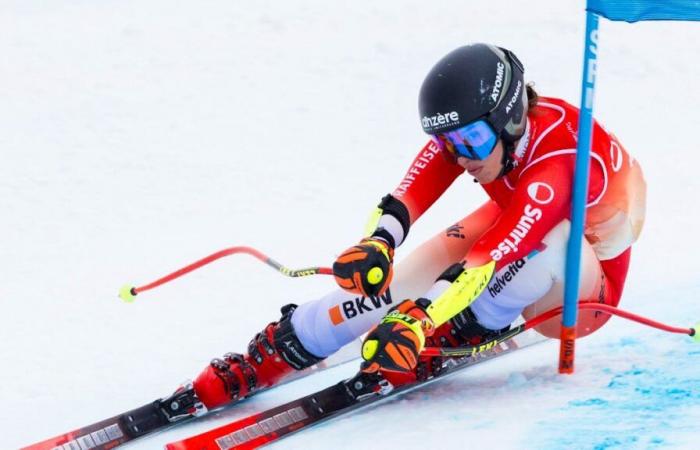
{"x":485,"y":177}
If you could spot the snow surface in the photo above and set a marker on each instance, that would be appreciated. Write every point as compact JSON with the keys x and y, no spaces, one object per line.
{"x":138,"y":136}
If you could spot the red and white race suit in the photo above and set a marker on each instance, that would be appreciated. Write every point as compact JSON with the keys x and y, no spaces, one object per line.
{"x":523,"y":228}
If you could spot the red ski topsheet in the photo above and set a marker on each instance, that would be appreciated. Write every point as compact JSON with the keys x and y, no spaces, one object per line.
{"x":224,"y":437}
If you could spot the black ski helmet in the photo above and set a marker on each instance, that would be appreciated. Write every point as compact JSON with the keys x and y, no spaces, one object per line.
{"x":478,"y":81}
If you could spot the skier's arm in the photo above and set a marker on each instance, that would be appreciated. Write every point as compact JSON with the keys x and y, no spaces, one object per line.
{"x":426,"y":180}
{"x":540,"y":201}
{"x":366,"y":268}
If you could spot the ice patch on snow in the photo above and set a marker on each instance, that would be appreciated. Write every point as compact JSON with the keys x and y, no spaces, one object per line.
{"x":627,"y":342}
{"x":640,"y":407}
{"x":589,"y":402}
{"x":516,"y":379}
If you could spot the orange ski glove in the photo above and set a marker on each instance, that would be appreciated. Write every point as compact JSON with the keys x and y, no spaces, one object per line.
{"x":395,"y":343}
{"x":365,"y":268}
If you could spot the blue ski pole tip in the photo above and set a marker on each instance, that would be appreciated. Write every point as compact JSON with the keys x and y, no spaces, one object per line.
{"x":127,"y":293}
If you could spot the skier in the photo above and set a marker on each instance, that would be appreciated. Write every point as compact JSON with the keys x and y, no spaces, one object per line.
{"x":470,"y":282}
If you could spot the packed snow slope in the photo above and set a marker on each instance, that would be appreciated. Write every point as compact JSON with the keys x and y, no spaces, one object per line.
{"x":137,"y":136}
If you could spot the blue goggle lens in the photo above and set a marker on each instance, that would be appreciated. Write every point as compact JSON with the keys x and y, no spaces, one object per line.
{"x":473,"y":141}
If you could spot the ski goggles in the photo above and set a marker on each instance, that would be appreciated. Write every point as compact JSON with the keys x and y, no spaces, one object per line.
{"x":473,"y":141}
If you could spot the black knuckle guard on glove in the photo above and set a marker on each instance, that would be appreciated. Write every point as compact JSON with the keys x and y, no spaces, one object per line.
{"x":365,"y":268}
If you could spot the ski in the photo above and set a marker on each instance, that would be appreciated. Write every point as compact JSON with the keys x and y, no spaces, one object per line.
{"x":117,"y":430}
{"x":349,"y":395}
{"x":159,"y":415}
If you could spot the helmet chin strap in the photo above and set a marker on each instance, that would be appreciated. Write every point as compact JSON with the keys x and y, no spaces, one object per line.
{"x":507,"y":160}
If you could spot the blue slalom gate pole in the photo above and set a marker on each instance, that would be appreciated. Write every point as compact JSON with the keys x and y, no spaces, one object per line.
{"x":615,"y":10}
{"x":580,"y":193}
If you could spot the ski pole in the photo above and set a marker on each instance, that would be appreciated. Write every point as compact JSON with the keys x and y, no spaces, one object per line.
{"x":471,"y":350}
{"x":129,"y":292}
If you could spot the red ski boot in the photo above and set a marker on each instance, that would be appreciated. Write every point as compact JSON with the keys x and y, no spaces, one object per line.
{"x":272,"y":354}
